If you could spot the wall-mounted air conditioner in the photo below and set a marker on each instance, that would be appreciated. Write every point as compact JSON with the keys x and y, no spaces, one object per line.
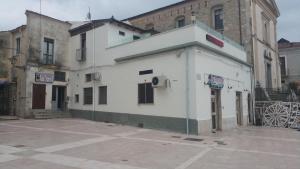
{"x":96,"y":76}
{"x":159,"y":81}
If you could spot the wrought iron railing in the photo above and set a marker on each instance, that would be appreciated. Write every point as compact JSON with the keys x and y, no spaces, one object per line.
{"x":277,"y":114}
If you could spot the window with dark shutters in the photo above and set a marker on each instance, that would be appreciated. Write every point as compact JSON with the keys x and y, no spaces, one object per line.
{"x":103,"y":95}
{"x":145,"y":93}
{"x":60,"y":76}
{"x":88,"y":96}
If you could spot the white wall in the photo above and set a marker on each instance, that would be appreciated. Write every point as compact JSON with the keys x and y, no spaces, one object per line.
{"x":235,"y":75}
{"x":122,"y":80}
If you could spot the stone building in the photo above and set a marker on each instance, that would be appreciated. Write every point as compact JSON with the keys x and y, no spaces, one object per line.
{"x":4,"y":53}
{"x":38,"y":58}
{"x":251,"y":23}
{"x":289,"y":58}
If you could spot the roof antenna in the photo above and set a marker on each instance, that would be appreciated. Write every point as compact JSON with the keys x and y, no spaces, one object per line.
{"x":89,"y":15}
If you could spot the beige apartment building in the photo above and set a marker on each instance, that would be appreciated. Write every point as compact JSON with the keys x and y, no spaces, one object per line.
{"x":251,"y":23}
{"x":35,"y":59}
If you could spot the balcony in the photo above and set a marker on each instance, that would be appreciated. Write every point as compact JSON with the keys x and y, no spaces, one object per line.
{"x":81,"y":55}
{"x":190,"y":35}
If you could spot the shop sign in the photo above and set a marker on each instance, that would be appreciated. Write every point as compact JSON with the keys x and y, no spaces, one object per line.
{"x":215,"y":41}
{"x":44,"y":77}
{"x":215,"y":82}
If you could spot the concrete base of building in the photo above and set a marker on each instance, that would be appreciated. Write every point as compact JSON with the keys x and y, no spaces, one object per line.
{"x":145,"y":121}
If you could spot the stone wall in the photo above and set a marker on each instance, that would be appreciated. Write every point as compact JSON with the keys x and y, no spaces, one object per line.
{"x":4,"y":54}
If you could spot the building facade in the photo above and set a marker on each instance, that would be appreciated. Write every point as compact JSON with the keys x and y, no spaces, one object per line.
{"x":107,"y":70}
{"x":290,"y":59}
{"x":251,"y":23}
{"x":162,"y":81}
{"x":38,"y":52}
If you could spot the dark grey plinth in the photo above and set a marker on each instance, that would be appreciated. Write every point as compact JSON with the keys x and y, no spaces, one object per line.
{"x":152,"y":122}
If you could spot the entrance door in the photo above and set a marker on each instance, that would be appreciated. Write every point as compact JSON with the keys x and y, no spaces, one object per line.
{"x":38,"y":96}
{"x":215,"y":110}
{"x":239,"y":110}
{"x":58,"y":98}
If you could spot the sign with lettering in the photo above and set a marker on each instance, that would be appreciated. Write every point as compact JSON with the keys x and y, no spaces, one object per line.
{"x":214,"y":40}
{"x":44,"y":77}
{"x":215,"y":82}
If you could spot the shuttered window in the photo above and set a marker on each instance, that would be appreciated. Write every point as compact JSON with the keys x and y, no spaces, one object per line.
{"x":103,"y":95}
{"x":88,"y":96}
{"x":145,"y":93}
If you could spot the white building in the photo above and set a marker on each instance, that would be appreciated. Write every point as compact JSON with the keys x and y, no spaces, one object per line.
{"x":203,"y":82}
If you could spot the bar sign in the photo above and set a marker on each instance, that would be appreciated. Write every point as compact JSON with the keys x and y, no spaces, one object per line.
{"x":214,"y":40}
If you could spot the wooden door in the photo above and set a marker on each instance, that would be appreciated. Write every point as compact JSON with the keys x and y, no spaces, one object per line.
{"x":38,"y":96}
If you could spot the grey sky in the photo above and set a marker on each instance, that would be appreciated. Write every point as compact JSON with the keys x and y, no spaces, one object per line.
{"x":12,"y":11}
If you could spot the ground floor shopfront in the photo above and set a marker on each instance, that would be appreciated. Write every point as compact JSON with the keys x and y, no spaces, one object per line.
{"x":44,"y":90}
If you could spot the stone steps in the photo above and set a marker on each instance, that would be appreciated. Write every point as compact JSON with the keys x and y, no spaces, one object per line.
{"x":50,"y":115}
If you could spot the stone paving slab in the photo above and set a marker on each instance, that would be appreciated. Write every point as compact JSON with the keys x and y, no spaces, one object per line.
{"x":137,"y":153}
{"x":217,"y":159}
{"x":82,"y":144}
{"x":32,"y":164}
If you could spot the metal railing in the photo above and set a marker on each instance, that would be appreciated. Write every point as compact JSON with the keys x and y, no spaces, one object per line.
{"x":277,"y":114}
{"x":219,"y":35}
{"x":199,"y":24}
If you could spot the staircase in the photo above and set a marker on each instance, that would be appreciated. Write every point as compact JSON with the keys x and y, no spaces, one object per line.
{"x":279,"y":96}
{"x":46,"y":114}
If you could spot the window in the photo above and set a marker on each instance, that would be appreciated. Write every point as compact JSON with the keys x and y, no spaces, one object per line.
{"x":83,"y":45}
{"x":18,"y":45}
{"x":282,"y":60}
{"x":218,"y":18}
{"x":60,"y":76}
{"x":76,"y":98}
{"x":88,"y":77}
{"x":180,"y":22}
{"x":266,"y":29}
{"x":48,"y":51}
{"x":88,"y":96}
{"x":103,"y":95}
{"x":121,"y":33}
{"x":146,"y":72}
{"x":145,"y":93}
{"x":136,"y":37}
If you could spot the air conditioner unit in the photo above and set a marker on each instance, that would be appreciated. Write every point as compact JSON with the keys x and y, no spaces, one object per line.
{"x":97,"y":76}
{"x":159,"y":81}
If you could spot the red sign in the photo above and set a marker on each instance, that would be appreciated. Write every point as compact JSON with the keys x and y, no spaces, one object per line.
{"x":215,"y":41}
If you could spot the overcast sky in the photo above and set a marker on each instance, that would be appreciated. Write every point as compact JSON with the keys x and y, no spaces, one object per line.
{"x":12,"y":11}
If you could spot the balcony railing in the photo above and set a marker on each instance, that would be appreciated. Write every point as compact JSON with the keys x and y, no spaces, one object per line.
{"x":81,"y":54}
{"x":218,"y":35}
{"x":48,"y":59}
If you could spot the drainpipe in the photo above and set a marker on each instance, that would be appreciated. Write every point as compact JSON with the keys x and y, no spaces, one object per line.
{"x":240,"y":22}
{"x":94,"y":71}
{"x":187,"y":105}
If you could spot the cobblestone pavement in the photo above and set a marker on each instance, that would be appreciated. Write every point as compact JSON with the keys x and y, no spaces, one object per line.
{"x":81,"y":144}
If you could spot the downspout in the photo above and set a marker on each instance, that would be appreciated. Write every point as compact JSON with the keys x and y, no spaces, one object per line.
{"x":187,"y":99}
{"x":94,"y":71}
{"x":240,"y":22}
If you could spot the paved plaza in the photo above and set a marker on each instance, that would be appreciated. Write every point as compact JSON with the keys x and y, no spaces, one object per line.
{"x":81,"y":144}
